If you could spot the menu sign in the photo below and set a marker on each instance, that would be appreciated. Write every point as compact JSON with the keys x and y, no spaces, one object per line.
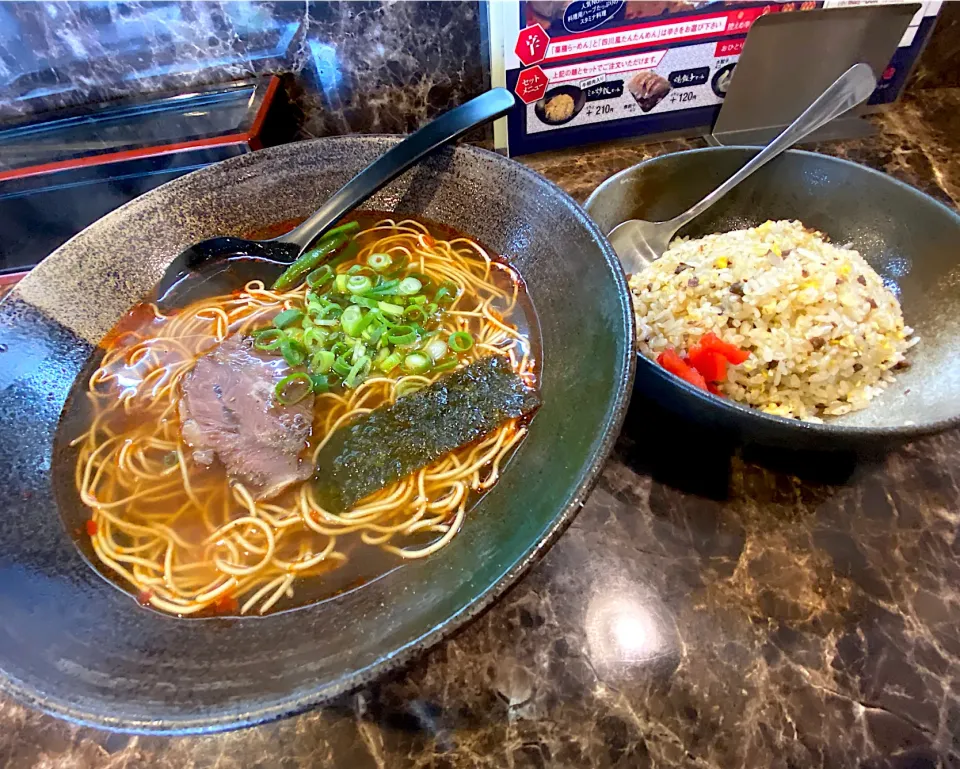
{"x":590,"y":70}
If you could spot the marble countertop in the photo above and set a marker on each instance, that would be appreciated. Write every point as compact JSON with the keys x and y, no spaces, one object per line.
{"x":711,"y":606}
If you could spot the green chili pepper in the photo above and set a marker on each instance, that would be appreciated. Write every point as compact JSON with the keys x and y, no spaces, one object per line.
{"x":308,"y":261}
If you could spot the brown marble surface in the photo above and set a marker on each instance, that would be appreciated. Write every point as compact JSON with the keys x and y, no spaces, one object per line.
{"x":712,"y":606}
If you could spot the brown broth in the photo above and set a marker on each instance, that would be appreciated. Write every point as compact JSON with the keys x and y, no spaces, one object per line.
{"x":364,"y":563}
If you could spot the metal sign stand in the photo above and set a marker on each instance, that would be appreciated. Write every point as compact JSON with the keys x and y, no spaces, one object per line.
{"x":790,"y":58}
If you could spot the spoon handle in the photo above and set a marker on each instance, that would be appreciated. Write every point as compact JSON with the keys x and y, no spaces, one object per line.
{"x":399,"y":158}
{"x":850,"y":89}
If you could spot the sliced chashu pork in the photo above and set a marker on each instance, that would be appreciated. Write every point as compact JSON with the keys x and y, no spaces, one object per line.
{"x":229,"y":411}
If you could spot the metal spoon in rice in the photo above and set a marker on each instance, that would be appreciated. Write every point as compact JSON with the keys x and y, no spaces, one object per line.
{"x":638,"y":242}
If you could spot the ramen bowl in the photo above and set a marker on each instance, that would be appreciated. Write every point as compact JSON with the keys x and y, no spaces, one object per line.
{"x":907,"y":237}
{"x":77,"y":646}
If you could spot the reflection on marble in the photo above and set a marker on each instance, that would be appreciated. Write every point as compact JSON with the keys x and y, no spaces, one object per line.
{"x":712,"y":606}
{"x":353,"y":66}
{"x":388,"y":67}
{"x":55,"y":54}
{"x":628,"y":631}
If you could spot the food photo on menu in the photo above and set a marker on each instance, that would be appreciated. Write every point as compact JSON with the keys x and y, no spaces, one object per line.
{"x":612,"y":69}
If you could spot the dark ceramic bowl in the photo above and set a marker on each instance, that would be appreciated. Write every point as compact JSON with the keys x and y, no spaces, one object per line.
{"x":75,"y":645}
{"x":909,"y":238}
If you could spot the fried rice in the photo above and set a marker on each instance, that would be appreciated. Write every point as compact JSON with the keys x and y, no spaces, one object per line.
{"x":824,"y":332}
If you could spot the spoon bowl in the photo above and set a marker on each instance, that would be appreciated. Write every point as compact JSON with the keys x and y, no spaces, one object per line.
{"x":200,"y":270}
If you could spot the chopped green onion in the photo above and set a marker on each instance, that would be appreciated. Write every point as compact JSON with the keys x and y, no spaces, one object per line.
{"x":390,"y":309}
{"x":387,"y":288}
{"x":424,"y":279}
{"x":364,"y":302}
{"x":406,"y":387}
{"x":293,"y":388}
{"x":389,"y":363}
{"x":321,"y":362}
{"x":342,"y":365}
{"x":287,"y":318}
{"x":446,"y":293}
{"x":416,"y":363}
{"x":415,"y":313}
{"x":409,"y":286}
{"x":319,"y":276}
{"x":368,"y":319}
{"x":359,"y":350}
{"x":314,"y":337}
{"x":341,"y":282}
{"x":268,"y":339}
{"x":460,"y":341}
{"x":320,"y":383}
{"x":293,"y":352}
{"x":430,"y":308}
{"x":402,"y":335}
{"x":352,"y":320}
{"x":418,"y":299}
{"x":372,"y":333}
{"x":447,"y":365}
{"x":358,"y":373}
{"x":379,"y":262}
{"x":436,"y":349}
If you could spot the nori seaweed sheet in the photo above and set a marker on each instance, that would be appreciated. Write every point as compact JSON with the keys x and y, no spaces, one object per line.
{"x":391,"y":442}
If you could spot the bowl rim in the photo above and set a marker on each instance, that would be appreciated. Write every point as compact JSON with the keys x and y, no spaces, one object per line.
{"x":739,"y":411}
{"x":293,"y":703}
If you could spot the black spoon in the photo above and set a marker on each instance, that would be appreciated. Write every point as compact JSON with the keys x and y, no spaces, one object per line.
{"x":219,"y":265}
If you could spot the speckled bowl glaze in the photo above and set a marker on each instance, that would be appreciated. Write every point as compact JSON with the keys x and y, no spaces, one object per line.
{"x":908,"y":237}
{"x":75,"y":645}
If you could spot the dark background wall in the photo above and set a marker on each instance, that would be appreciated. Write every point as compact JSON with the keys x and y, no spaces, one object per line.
{"x":939,"y":67}
{"x":350,"y":66}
